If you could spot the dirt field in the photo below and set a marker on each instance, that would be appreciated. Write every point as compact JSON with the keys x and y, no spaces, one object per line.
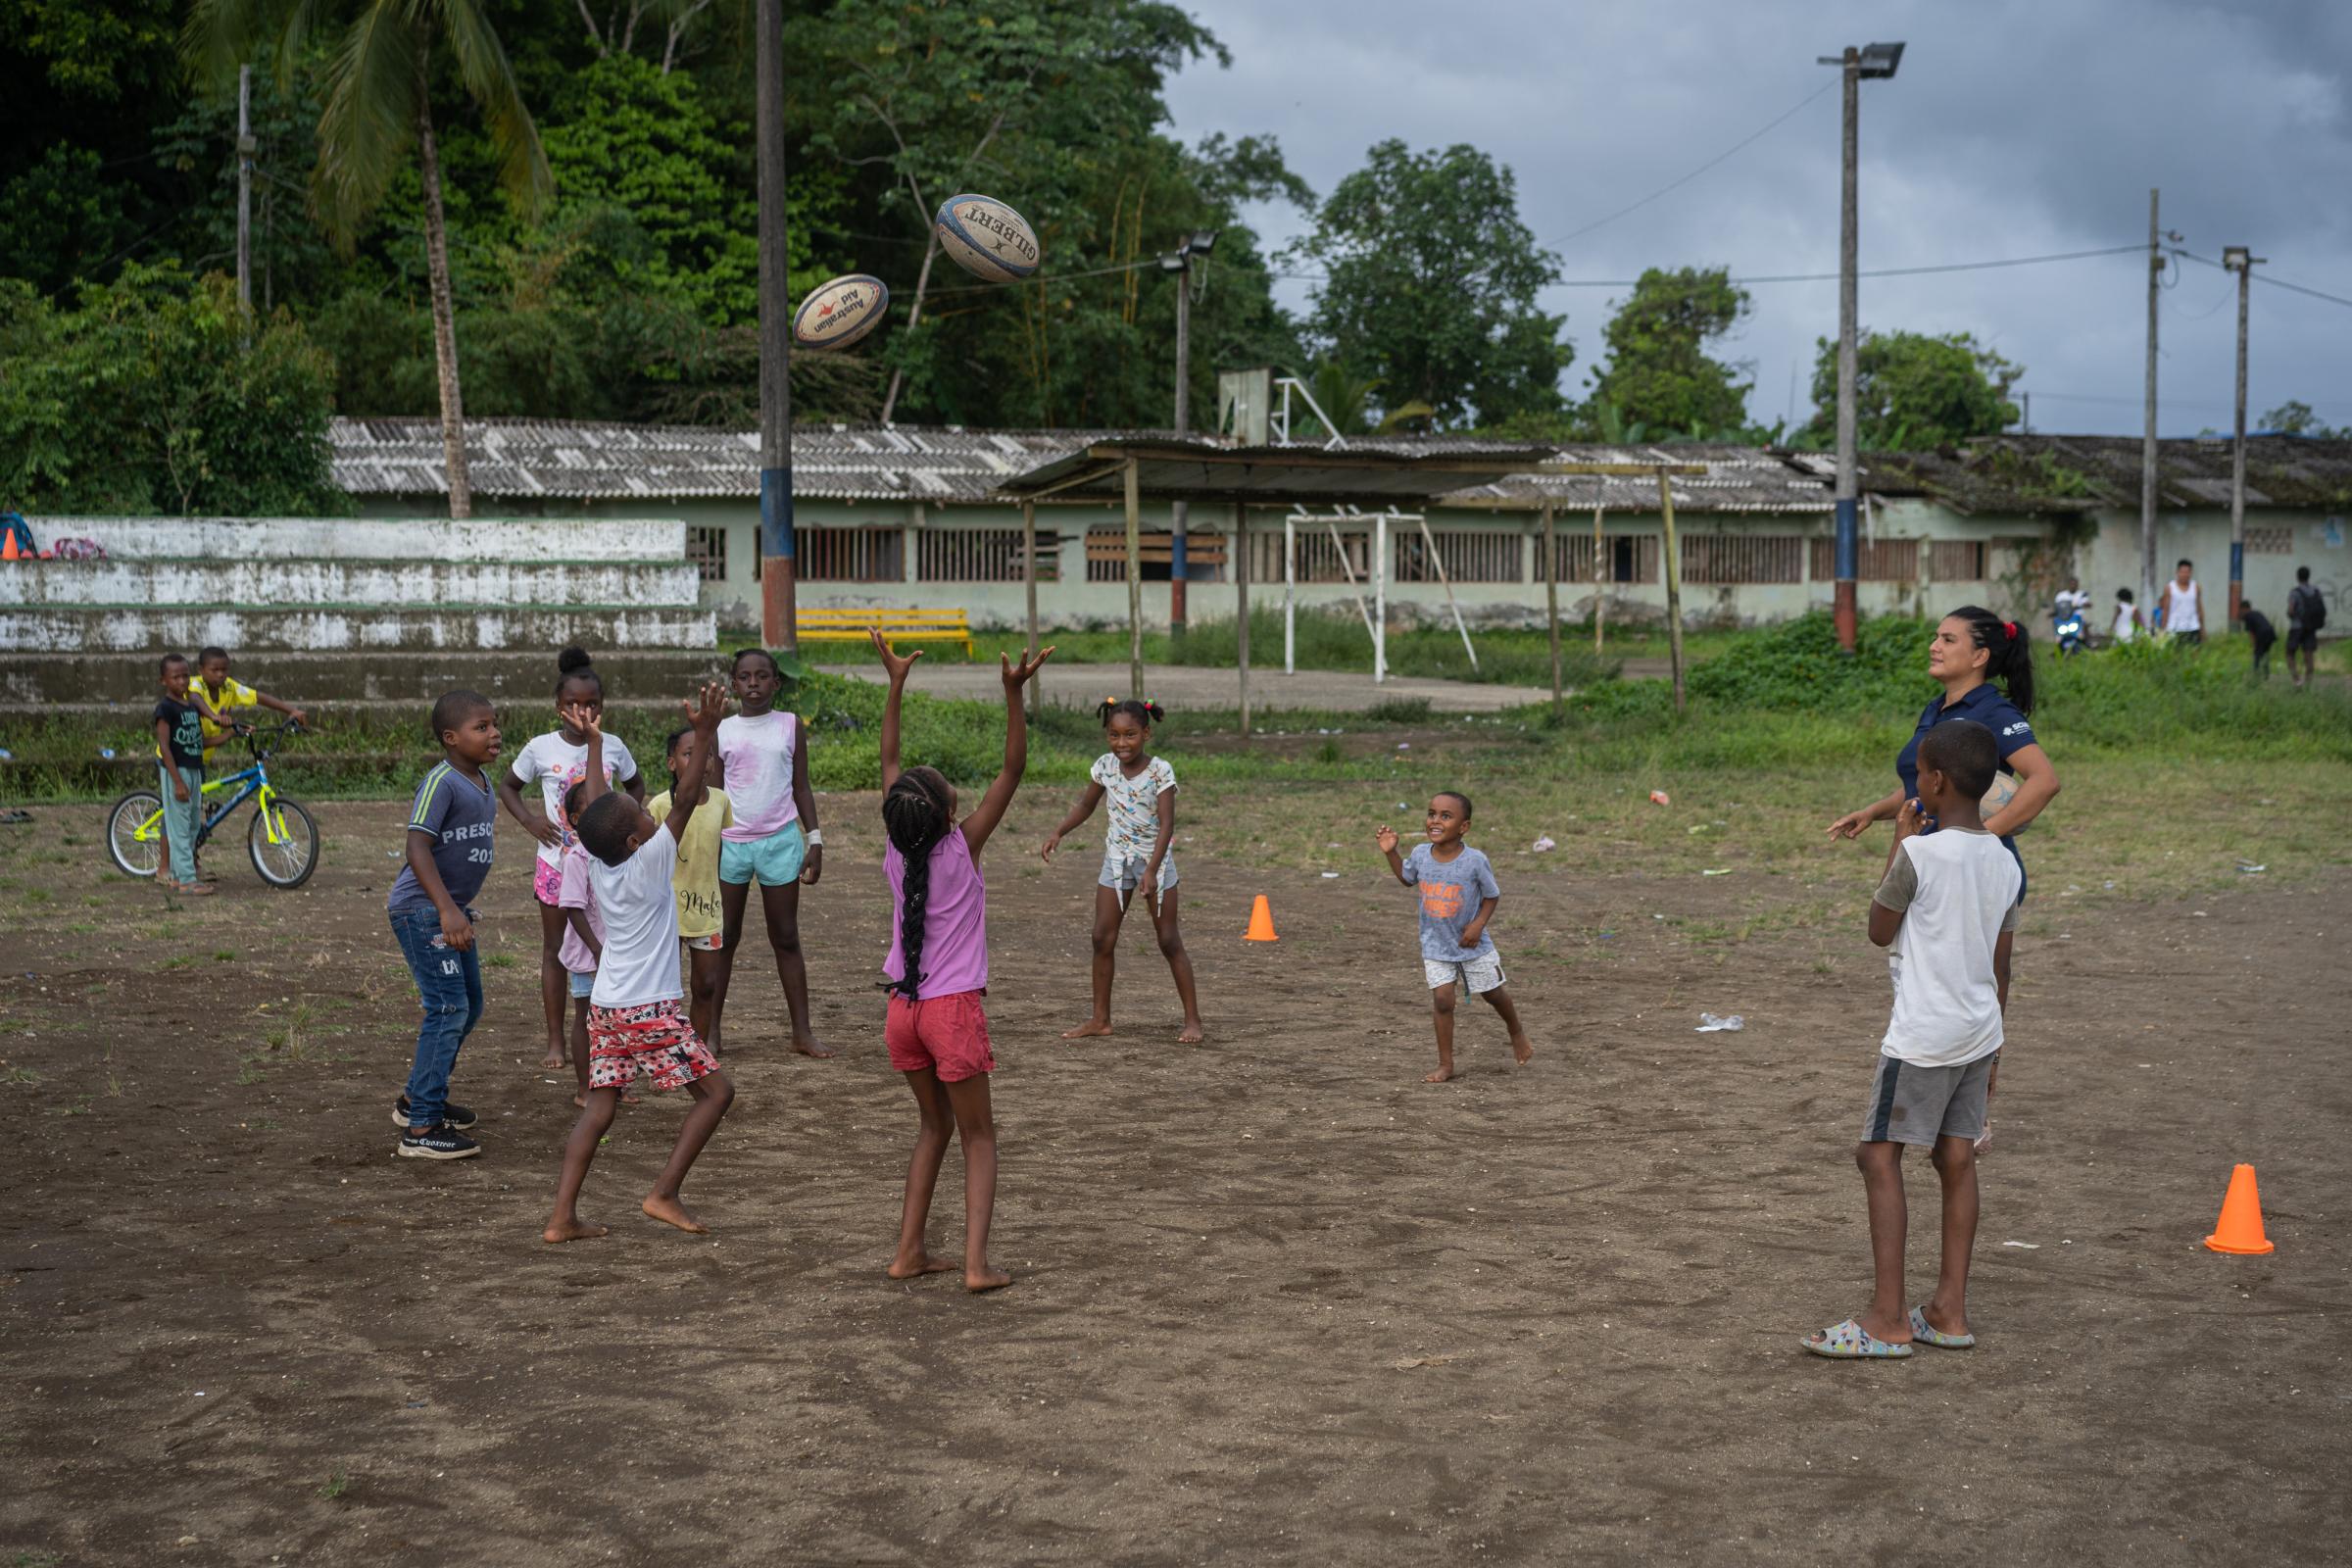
{"x":1276,"y":1301}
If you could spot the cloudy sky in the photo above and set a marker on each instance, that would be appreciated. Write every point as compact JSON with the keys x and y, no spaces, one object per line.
{"x":2013,"y":130}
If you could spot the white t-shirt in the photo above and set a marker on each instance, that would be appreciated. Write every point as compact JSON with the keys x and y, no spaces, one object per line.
{"x":757,"y":752}
{"x":1131,"y":805}
{"x":2126,"y":624}
{"x":2181,"y":608}
{"x":1957,"y":888}
{"x":641,"y":925}
{"x":558,"y":765}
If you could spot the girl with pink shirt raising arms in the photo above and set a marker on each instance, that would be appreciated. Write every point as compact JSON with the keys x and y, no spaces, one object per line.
{"x":936,"y":1028}
{"x":773,"y":840}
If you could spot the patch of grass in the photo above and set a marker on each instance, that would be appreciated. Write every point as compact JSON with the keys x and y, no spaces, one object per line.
{"x":79,"y":1106}
{"x":180,"y":961}
{"x":38,"y":895}
{"x":81,"y":928}
{"x":503,"y":961}
{"x":225,"y":956}
{"x":336,"y":1485}
{"x":20,"y":1075}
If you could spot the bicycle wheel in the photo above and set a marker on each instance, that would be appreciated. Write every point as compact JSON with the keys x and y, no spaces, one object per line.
{"x":137,"y":849}
{"x":288,"y":862}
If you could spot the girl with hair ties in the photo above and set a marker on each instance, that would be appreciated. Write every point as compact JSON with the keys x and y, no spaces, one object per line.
{"x":936,"y":1028}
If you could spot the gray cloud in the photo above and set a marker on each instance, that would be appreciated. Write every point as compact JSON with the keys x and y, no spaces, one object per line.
{"x":2014,"y":129}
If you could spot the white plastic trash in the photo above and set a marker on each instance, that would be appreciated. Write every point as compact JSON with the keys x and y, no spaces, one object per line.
{"x":1709,"y":1023}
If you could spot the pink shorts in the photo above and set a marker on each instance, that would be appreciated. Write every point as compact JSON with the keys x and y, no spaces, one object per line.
{"x":946,"y":1034}
{"x":654,"y":1041}
{"x":709,"y":944}
{"x":546,"y":881}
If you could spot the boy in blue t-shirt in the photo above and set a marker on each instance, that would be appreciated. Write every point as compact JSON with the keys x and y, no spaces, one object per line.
{"x":1458,"y":895}
{"x":449,"y":846}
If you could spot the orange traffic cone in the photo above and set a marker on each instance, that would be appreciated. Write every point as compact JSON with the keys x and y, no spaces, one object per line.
{"x":8,"y":551}
{"x":1262,"y":926}
{"x":2240,"y":1227}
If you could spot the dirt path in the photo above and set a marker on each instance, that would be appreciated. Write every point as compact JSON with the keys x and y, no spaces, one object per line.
{"x":1277,"y":1302}
{"x":1178,"y":686}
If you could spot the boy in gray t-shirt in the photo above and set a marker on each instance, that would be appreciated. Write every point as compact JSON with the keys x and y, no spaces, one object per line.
{"x":1458,"y":895}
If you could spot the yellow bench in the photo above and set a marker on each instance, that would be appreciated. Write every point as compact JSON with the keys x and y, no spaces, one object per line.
{"x":899,"y":625}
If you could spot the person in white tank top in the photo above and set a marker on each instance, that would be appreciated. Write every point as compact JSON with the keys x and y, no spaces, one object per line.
{"x":2185,"y":607}
{"x":2129,"y":622}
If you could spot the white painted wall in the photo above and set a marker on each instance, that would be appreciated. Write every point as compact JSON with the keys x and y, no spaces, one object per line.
{"x":399,"y":538}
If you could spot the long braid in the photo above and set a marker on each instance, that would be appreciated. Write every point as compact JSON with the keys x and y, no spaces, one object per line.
{"x":915,"y":815}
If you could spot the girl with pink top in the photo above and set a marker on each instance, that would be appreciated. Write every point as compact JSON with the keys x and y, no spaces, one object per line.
{"x":773,"y":840}
{"x":936,"y":1028}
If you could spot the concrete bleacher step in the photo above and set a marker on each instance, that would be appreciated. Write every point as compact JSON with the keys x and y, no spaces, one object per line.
{"x":125,"y":630}
{"x":278,"y":540}
{"x":32,"y":681}
{"x":384,"y":584}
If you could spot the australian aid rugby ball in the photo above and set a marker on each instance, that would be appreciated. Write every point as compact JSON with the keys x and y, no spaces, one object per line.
{"x":987,"y":238}
{"x":838,"y":314}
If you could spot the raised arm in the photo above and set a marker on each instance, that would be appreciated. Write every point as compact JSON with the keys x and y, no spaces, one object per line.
{"x":692,"y":787}
{"x":1385,"y":837}
{"x":1087,"y":798}
{"x":990,"y":812}
{"x":897,"y":667}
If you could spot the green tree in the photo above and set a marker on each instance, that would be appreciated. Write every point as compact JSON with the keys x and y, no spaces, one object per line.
{"x":1431,"y":284}
{"x":1913,"y":389}
{"x":145,"y":397}
{"x":1659,"y":374}
{"x":2296,"y":417}
{"x":1349,"y":402}
{"x":377,"y":110}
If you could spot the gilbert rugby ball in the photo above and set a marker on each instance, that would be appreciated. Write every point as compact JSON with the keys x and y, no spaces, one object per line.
{"x":987,"y":238}
{"x":839,"y":313}
{"x":2003,"y":791}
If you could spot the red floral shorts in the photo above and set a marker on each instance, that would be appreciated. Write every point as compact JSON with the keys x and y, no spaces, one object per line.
{"x":653,"y":1042}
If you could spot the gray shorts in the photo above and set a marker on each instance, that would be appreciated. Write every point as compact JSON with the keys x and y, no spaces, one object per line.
{"x":1914,"y":1105}
{"x":1475,"y":976}
{"x":1125,"y":874}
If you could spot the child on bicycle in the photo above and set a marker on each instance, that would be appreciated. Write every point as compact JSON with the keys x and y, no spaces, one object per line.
{"x":225,"y":695}
{"x":180,"y":717}
{"x":448,"y":853}
{"x":702,"y":913}
{"x":935,"y":1027}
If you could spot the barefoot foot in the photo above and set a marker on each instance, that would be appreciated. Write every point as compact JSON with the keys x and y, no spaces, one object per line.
{"x":1442,"y":1075}
{"x":810,"y":1048}
{"x":580,"y":1100}
{"x":987,"y":1279}
{"x":669,"y":1211}
{"x":1193,"y":1034}
{"x":552,"y":1059}
{"x":1093,"y":1028}
{"x":1523,"y":1049}
{"x":906,"y":1268}
{"x":570,"y":1230}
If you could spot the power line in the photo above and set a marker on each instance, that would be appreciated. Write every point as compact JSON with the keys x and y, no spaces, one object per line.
{"x":2264,"y":277}
{"x":1696,"y":173}
{"x":1829,"y":278}
{"x":1049,"y":277}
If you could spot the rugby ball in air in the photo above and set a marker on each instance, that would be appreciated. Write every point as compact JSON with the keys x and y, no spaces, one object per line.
{"x":839,"y":313}
{"x":987,"y":238}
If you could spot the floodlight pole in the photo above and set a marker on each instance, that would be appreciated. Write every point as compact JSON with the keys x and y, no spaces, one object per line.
{"x":2148,"y":439}
{"x":1135,"y":586}
{"x":2241,"y":261}
{"x":1241,"y":605}
{"x":1037,"y":695}
{"x":1180,"y":512}
{"x":245,"y":186}
{"x":778,"y":607}
{"x":1881,"y":62}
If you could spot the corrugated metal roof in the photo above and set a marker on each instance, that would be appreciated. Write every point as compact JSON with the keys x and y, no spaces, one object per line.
{"x":2054,"y":473}
{"x":1173,"y":469}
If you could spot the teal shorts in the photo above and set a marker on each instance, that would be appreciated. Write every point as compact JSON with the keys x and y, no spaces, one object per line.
{"x":773,"y":861}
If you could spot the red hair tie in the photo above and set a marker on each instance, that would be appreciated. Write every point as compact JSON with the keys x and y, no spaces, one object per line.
{"x":2012,"y":628}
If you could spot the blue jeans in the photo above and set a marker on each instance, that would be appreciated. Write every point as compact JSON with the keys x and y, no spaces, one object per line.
{"x":181,"y":818}
{"x":449,"y":983}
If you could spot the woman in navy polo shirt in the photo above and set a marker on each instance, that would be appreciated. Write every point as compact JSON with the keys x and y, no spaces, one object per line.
{"x":1972,"y":648}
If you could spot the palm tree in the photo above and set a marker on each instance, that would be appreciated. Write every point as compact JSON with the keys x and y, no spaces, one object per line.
{"x":1349,"y":399}
{"x":379,"y":79}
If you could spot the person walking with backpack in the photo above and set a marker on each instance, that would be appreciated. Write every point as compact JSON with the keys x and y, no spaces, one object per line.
{"x":2306,"y":614}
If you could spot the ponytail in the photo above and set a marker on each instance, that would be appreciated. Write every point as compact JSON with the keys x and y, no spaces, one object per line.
{"x":1144,"y":710}
{"x":2010,"y":660}
{"x":915,"y":815}
{"x":574,"y":664}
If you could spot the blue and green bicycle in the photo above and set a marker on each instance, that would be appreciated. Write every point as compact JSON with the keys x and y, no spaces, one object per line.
{"x":283,"y":838}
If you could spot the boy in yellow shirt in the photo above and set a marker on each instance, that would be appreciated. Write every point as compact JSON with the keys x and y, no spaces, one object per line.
{"x":696,"y":880}
{"x":225,"y":695}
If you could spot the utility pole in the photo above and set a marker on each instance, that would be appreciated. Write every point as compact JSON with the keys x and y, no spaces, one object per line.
{"x":1180,"y":263}
{"x":1878,"y":60}
{"x":2148,"y":441}
{"x":778,"y":610}
{"x":2242,"y":261}
{"x":245,"y":186}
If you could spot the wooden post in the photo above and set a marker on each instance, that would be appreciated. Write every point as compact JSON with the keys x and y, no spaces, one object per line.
{"x":1135,"y":583}
{"x":1380,"y":598}
{"x":1551,"y":602}
{"x":1600,"y":582}
{"x":1241,"y":601}
{"x":1037,"y":698}
{"x":1290,"y":593}
{"x":1673,"y":586}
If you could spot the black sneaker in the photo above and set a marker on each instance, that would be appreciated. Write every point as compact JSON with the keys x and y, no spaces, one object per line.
{"x":453,"y":1114}
{"x":437,"y":1143}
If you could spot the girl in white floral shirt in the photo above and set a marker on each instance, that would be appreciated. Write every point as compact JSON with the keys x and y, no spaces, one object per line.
{"x":1140,"y":825}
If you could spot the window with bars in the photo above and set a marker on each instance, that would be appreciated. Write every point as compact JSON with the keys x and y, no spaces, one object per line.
{"x":852,"y":555}
{"x":1875,"y":559}
{"x":1956,"y":559}
{"x":2269,"y":541}
{"x":980,"y":554}
{"x":1626,"y":558}
{"x":1484,"y":554}
{"x":706,"y":552}
{"x":1721,"y":560}
{"x":1318,"y":559}
{"x":1203,"y":555}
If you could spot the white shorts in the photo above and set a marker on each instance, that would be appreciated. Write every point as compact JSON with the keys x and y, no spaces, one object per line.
{"x":1478,"y":975}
